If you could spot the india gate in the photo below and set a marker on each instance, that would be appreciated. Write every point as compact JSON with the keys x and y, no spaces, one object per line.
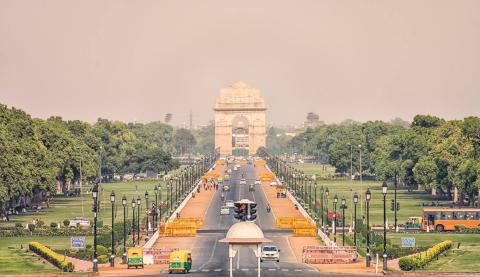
{"x":239,"y":120}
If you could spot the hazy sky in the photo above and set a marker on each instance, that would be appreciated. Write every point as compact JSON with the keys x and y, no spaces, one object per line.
{"x":137,"y":60}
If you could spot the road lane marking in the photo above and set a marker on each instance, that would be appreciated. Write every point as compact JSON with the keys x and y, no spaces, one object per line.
{"x":244,"y":269}
{"x":218,"y":270}
{"x":298,"y":270}
{"x":284,"y":269}
{"x":272,"y":269}
{"x":211,"y":255}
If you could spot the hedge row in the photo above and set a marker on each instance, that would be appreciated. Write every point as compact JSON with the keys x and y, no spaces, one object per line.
{"x":420,"y":260}
{"x":22,"y":232}
{"x":56,"y":259}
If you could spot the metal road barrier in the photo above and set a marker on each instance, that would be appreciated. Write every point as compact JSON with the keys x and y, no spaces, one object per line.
{"x":159,"y":255}
{"x":328,"y":254}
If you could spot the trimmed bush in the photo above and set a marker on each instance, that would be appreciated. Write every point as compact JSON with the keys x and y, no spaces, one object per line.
{"x":56,"y":259}
{"x":102,"y":250}
{"x":53,"y":225}
{"x":420,"y":260}
{"x":66,"y":222}
{"x":102,"y":259}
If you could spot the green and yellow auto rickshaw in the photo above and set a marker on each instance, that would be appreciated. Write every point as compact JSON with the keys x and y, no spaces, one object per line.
{"x":414,"y":222}
{"x":135,"y":257}
{"x":180,"y":261}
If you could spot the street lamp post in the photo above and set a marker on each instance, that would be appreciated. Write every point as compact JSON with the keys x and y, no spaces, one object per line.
{"x":368,"y":196}
{"x":133,"y":220}
{"x":335,"y":200}
{"x":124,"y":256}
{"x":384,"y":191}
{"x":355,"y":201}
{"x":361,"y":180}
{"x":344,"y":206}
{"x":112,"y":255}
{"x":327,"y":193}
{"x":156,"y":209}
{"x":146,"y":207}
{"x":159,"y":205}
{"x":315,"y":201}
{"x":95,"y":210}
{"x":321,"y":203}
{"x":139,"y":201}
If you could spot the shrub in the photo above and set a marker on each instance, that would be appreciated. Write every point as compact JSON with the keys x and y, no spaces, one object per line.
{"x":53,"y":224}
{"x":66,"y":222}
{"x":31,"y":227}
{"x":102,"y":250}
{"x":18,"y":225}
{"x":56,"y":259}
{"x":40,"y":223}
{"x":102,"y":259}
{"x":420,"y":260}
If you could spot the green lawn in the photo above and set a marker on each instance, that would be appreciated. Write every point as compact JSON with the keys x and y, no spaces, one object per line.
{"x":463,"y":259}
{"x":69,"y":207}
{"x":15,"y":260}
{"x":410,"y":202}
{"x":320,"y":170}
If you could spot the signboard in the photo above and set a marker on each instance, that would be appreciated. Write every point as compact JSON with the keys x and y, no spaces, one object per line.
{"x":407,"y":242}
{"x":77,"y":242}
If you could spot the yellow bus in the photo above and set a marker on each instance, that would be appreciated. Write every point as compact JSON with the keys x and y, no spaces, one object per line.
{"x":445,"y":219}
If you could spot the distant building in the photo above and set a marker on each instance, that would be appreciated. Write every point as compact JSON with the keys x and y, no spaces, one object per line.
{"x":312,"y":120}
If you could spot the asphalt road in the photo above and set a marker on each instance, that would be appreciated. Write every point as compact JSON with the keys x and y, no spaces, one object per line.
{"x":210,"y":257}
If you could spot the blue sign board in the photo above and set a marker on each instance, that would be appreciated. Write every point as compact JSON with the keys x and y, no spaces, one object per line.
{"x":77,"y":242}
{"x":407,"y":242}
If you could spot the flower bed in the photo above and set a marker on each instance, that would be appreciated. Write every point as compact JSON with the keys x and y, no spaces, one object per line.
{"x":420,"y":260}
{"x":56,"y":259}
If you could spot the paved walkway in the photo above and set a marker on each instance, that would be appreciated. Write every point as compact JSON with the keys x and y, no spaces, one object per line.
{"x":81,"y":265}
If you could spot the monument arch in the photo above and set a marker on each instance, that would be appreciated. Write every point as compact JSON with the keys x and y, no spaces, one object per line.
{"x":240,"y":126}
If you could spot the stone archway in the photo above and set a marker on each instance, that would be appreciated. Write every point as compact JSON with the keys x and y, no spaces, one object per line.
{"x":239,"y":119}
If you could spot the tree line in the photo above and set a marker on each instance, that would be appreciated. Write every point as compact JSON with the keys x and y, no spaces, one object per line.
{"x":40,"y":157}
{"x":443,"y":156}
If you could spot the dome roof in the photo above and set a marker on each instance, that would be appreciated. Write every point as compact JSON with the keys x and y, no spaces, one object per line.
{"x":245,"y":232}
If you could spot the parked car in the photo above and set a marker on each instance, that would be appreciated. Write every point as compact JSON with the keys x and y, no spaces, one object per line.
{"x":224,"y":210}
{"x":229,"y":203}
{"x":226,"y":188}
{"x":257,"y":182}
{"x":270,"y":253}
{"x":273,"y":183}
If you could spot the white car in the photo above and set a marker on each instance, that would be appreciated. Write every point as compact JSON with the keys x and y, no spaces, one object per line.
{"x":257,"y":182}
{"x":229,"y":171}
{"x":273,"y":183}
{"x":229,"y":203}
{"x":243,"y":181}
{"x":224,"y":210}
{"x":235,"y":168}
{"x":270,"y":253}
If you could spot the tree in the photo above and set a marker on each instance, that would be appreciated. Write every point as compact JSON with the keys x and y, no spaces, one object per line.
{"x":426,"y":121}
{"x":468,"y":178}
{"x":184,"y":141}
{"x":425,"y":171}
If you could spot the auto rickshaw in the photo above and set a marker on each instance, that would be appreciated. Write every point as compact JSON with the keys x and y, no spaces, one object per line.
{"x":180,"y":261}
{"x":135,"y":257}
{"x":414,"y":222}
{"x":281,"y":191}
